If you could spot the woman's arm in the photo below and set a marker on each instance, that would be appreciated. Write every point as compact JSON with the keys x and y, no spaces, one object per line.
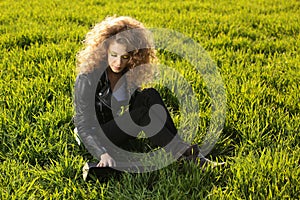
{"x":85,"y":118}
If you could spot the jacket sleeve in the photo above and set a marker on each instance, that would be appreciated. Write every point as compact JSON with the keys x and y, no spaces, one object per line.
{"x":85,"y":118}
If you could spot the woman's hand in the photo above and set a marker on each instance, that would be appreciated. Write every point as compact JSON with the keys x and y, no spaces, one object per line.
{"x":106,"y":161}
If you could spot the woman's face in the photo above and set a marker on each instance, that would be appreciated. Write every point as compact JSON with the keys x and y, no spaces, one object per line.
{"x":118,"y":57}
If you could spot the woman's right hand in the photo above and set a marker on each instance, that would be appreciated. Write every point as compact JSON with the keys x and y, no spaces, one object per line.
{"x":106,"y":161}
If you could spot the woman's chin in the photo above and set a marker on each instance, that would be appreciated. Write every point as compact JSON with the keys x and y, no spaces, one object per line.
{"x":116,"y":70}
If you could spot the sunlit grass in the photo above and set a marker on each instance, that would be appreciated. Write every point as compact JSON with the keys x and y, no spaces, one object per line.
{"x":255,"y":46}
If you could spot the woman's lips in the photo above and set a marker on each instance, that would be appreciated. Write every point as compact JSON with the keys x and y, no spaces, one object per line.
{"x":116,"y":68}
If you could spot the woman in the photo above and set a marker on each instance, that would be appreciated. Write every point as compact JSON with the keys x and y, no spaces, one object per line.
{"x":115,"y":62}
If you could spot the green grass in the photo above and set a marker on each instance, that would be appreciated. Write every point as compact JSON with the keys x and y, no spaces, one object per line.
{"x":255,"y":45}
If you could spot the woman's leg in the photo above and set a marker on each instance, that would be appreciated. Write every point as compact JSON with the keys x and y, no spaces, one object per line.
{"x":139,"y":113}
{"x":141,"y":105}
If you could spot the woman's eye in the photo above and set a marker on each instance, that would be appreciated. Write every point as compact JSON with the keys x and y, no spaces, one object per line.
{"x":113,"y":55}
{"x":125,"y":56}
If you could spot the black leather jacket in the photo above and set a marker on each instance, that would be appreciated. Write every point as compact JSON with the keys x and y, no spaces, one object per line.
{"x":104,"y":100}
{"x":93,"y":107}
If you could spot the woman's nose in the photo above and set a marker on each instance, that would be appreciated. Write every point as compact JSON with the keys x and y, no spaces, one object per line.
{"x":118,"y":60}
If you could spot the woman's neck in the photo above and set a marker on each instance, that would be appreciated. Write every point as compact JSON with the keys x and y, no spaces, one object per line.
{"x":113,"y":77}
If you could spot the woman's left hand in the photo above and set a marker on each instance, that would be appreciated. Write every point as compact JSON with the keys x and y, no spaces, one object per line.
{"x":106,"y":161}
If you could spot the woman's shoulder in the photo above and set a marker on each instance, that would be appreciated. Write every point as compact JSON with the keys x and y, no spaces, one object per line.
{"x":92,"y":77}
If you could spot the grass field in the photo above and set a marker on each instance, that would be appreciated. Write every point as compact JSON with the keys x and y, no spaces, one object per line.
{"x":256,"y":47}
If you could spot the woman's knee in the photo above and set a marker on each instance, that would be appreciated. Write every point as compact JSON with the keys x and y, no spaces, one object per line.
{"x":152,"y":96}
{"x":151,"y":92}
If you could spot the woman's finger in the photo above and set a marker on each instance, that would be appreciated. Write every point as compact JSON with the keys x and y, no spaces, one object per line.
{"x":110,"y":163}
{"x":101,"y":164}
{"x":113,"y":163}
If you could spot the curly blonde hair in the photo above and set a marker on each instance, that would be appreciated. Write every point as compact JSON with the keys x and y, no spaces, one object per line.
{"x":125,"y":30}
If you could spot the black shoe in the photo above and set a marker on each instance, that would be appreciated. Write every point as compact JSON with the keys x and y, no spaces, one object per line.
{"x":204,"y":162}
{"x":193,"y":154}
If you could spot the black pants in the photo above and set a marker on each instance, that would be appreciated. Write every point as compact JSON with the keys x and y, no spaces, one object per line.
{"x":139,"y":114}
